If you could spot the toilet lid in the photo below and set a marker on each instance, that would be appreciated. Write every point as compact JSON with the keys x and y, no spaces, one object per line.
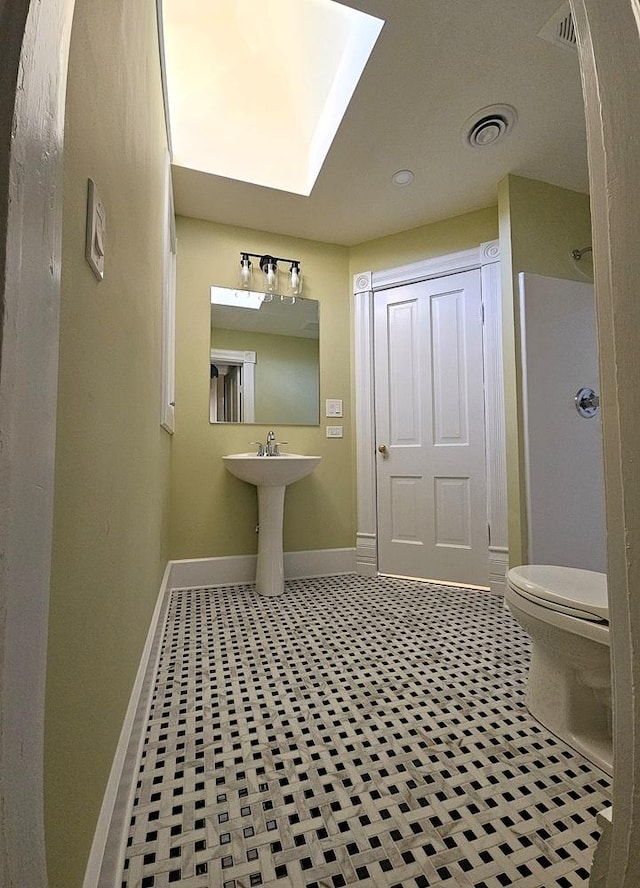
{"x":569,"y":590}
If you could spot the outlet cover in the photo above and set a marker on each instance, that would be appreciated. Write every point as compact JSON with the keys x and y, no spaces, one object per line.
{"x":334,"y":431}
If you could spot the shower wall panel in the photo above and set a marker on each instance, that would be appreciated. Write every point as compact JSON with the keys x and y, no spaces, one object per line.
{"x":563,"y":450}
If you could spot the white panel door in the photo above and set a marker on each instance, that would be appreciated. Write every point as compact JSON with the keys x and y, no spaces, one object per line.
{"x":431,"y":471}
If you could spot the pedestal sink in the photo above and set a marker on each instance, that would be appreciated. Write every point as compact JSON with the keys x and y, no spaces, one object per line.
{"x":270,"y":474}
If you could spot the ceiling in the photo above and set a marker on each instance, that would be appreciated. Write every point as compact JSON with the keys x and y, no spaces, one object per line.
{"x":435,"y":64}
{"x":280,"y":316}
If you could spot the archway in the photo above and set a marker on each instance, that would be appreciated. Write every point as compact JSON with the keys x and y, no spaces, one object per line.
{"x":33,"y":72}
{"x":609,"y":48}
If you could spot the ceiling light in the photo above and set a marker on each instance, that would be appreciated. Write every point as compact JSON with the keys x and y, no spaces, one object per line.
{"x":488,"y":125}
{"x":403,"y":177}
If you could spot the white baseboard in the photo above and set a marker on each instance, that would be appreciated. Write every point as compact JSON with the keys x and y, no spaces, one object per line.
{"x":319,"y":563}
{"x":602,"y":853}
{"x":367,"y":555}
{"x":498,"y":567}
{"x":192,"y":572}
{"x":232,"y":569}
{"x":106,"y":858}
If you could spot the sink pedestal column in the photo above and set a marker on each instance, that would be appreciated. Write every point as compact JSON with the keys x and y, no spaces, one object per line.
{"x":270,"y":567}
{"x":270,"y":475}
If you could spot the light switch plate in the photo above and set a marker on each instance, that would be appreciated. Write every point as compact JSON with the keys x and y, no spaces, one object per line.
{"x":96,"y":231}
{"x":334,"y":431}
{"x":333,"y":407}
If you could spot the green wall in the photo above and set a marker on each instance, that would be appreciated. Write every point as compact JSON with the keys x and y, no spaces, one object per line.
{"x":213,"y":513}
{"x":540,"y":225}
{"x":112,"y":458}
{"x":286,"y":374}
{"x":426,"y":242}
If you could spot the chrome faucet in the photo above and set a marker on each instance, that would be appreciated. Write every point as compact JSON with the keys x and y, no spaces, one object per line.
{"x":271,"y":448}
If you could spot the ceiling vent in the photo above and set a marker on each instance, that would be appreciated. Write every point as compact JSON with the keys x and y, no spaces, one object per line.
{"x":560,"y":29}
{"x":488,"y":125}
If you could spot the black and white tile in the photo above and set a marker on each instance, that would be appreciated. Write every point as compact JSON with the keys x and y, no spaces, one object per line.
{"x":353,"y":731}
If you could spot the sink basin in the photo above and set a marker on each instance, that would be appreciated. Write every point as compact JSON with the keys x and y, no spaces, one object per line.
{"x":270,"y":474}
{"x":270,"y":471}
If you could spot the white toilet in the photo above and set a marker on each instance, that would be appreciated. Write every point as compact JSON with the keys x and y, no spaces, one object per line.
{"x":565,"y":612}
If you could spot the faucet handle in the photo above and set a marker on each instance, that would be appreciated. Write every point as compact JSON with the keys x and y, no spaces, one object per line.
{"x":260,"y":447}
{"x":276,"y":447}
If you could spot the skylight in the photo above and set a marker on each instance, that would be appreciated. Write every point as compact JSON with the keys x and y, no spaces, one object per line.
{"x":236,"y":298}
{"x":257,"y":88}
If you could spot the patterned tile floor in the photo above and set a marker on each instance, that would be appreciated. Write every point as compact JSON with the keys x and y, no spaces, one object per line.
{"x":353,"y":731}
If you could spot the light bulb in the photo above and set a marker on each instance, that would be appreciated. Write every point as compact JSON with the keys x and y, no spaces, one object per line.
{"x":269,"y":265}
{"x":272,"y":276}
{"x":295,"y":279}
{"x":245,"y":271}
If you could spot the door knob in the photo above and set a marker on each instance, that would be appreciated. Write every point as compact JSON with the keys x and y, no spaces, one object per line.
{"x":383,"y":449}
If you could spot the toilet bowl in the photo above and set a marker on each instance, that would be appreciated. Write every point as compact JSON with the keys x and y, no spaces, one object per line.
{"x":565,"y":612}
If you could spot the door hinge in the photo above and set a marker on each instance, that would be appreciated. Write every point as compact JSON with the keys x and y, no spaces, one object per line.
{"x":489,"y":533}
{"x":482,"y":312}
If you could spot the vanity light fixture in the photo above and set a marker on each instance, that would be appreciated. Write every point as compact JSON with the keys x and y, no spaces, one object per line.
{"x":269,"y":266}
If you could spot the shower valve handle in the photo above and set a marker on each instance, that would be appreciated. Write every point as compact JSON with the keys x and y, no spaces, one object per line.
{"x":587,"y":402}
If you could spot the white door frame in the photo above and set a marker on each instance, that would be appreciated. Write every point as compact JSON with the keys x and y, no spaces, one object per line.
{"x":247,"y":360}
{"x":34,"y":99}
{"x":486,"y":257}
{"x":609,"y":47}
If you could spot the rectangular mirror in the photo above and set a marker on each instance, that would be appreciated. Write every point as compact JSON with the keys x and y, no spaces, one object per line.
{"x":264,"y":358}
